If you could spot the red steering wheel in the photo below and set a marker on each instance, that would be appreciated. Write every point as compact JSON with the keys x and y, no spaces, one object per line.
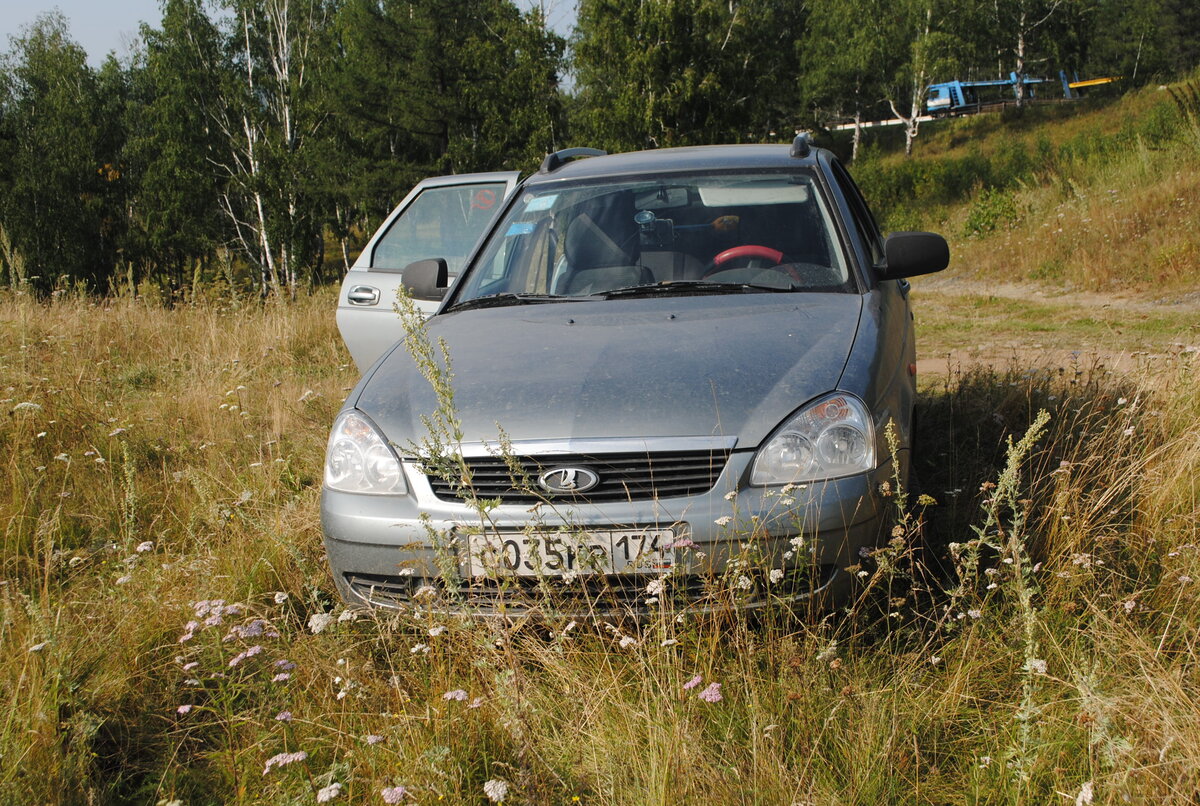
{"x":753,"y":252}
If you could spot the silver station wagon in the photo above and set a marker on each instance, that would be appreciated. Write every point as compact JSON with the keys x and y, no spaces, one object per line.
{"x":681,"y":378}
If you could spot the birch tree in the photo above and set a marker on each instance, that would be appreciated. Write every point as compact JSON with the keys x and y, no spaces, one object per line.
{"x":1022,"y":23}
{"x":267,"y":120}
{"x":924,"y":31}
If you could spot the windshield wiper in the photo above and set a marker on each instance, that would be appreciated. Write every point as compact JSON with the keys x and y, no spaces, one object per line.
{"x":688,"y":287}
{"x":507,"y":298}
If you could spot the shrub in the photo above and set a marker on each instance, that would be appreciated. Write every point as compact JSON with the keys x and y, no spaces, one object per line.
{"x":992,"y":210}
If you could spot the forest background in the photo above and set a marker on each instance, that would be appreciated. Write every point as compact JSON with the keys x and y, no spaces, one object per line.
{"x":258,"y":142}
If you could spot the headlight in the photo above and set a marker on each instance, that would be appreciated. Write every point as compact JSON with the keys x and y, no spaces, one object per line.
{"x":358,"y":460}
{"x":830,"y":438}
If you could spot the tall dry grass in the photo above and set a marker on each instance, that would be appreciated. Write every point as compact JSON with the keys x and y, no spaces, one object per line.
{"x":159,"y":459}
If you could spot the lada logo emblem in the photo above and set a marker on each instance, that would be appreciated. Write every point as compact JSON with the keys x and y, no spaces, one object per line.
{"x":568,"y":480}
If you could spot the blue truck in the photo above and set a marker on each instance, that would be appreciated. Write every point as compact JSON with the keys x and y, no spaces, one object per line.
{"x":966,"y":97}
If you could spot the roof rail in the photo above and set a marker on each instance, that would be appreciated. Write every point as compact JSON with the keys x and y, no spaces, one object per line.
{"x":558,"y":158}
{"x":801,"y":146}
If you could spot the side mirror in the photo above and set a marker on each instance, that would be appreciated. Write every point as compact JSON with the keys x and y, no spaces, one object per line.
{"x":909,"y":254}
{"x":426,"y":279}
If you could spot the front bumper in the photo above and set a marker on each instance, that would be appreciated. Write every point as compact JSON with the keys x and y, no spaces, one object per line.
{"x":399,"y":551}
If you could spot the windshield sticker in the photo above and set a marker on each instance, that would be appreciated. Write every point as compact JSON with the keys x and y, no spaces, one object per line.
{"x":541,"y":203}
{"x":519,"y":228}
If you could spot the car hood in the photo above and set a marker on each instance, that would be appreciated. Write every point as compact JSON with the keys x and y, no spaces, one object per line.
{"x":727,"y":366}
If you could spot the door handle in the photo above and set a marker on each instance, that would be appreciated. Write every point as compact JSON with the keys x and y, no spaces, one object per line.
{"x":363,"y":295}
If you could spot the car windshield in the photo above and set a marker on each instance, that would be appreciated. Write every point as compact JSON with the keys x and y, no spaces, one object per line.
{"x":711,"y":233}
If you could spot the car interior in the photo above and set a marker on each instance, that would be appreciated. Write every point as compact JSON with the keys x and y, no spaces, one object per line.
{"x":619,"y":240}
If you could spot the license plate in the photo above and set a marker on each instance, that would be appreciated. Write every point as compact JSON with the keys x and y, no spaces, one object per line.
{"x":634,"y":551}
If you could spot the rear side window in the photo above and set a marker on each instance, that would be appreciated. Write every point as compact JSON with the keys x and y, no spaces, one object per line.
{"x":441,"y":222}
{"x":864,"y":222}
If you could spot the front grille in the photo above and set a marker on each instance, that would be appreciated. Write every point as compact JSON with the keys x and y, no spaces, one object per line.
{"x":586,"y":595}
{"x":623,"y":476}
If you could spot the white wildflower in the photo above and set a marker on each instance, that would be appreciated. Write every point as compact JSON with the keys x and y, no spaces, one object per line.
{"x":317,"y":622}
{"x":328,"y":793}
{"x":496,"y":790}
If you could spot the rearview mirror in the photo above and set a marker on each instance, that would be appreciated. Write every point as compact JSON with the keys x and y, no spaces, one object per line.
{"x":427,"y":279}
{"x":909,"y":254}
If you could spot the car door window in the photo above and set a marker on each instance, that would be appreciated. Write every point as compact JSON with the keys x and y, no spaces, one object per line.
{"x":864,"y":222}
{"x":441,"y":222}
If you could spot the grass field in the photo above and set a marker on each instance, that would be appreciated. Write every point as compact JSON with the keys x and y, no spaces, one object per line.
{"x":169,"y":633}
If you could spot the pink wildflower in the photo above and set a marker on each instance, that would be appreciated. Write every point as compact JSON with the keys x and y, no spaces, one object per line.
{"x":283,"y":759}
{"x":712,"y":693}
{"x":183,"y":709}
{"x":456,"y":694}
{"x":284,"y":716}
{"x":695,"y":681}
{"x":241,"y":656}
{"x":393,"y":794}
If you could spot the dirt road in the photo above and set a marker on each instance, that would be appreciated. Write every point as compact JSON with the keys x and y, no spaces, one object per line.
{"x":961,"y":322}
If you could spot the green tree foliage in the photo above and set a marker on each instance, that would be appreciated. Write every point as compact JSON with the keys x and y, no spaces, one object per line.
{"x":263,"y":131}
{"x":171,"y":144}
{"x":61,"y":169}
{"x":1145,"y":41}
{"x":843,"y":62}
{"x":679,"y":72}
{"x":429,"y":87}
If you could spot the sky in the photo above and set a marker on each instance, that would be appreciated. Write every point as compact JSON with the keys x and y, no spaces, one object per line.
{"x":101,"y":26}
